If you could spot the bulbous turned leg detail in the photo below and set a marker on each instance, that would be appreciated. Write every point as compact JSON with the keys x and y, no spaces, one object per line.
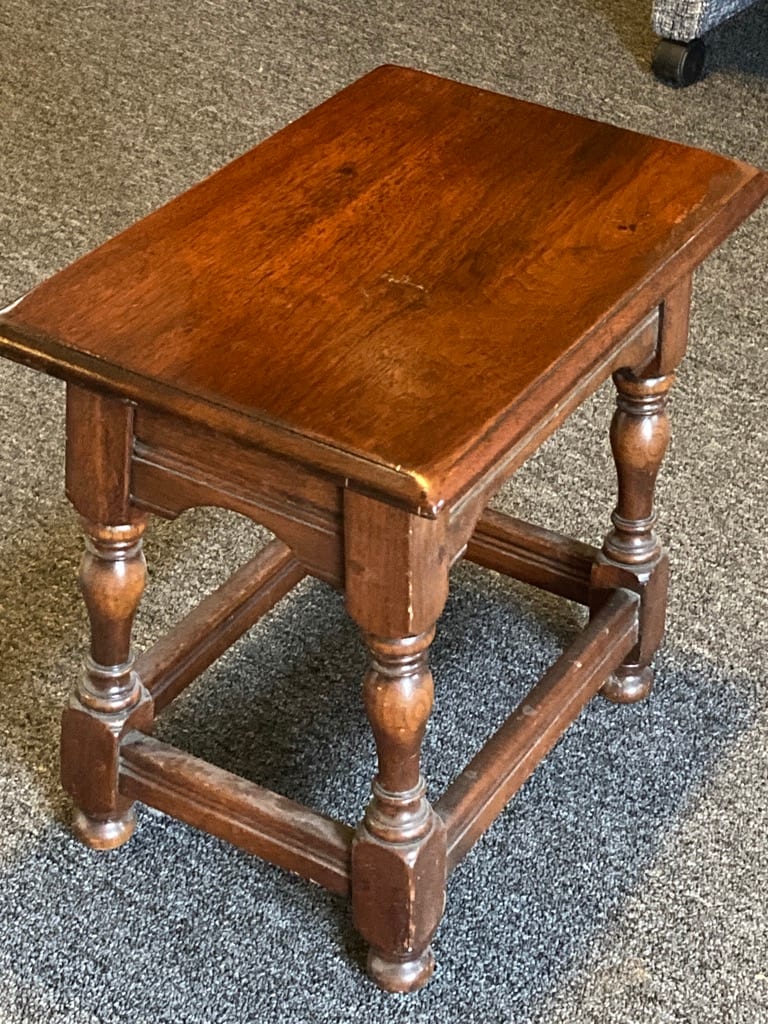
{"x":108,"y":698}
{"x":398,"y":856}
{"x":632,"y":554}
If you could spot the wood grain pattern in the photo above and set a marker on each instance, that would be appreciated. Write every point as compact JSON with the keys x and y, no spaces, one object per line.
{"x":254,"y":818}
{"x":396,"y":567}
{"x":410,"y":240}
{"x":99,"y":431}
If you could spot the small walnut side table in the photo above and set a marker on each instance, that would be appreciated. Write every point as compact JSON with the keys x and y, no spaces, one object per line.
{"x":354,"y":334}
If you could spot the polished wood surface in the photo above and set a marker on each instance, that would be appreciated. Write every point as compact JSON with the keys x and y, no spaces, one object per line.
{"x":330,"y":293}
{"x":254,"y":818}
{"x":533,"y":555}
{"x":354,"y":334}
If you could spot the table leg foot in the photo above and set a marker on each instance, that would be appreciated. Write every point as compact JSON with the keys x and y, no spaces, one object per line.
{"x":401,"y":975}
{"x":105,"y":833}
{"x":628,"y":684}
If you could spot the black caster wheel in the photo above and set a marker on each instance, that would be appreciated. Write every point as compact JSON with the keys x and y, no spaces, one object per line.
{"x":679,"y":63}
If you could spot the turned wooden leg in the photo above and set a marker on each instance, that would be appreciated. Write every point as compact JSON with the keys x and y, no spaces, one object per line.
{"x":109,"y":697}
{"x":398,"y":856}
{"x":632,"y":554}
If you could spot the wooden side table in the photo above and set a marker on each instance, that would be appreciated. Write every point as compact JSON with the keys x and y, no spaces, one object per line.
{"x":354,"y":334}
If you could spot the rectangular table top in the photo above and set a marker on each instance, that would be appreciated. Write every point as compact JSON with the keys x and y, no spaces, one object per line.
{"x":380,"y":286}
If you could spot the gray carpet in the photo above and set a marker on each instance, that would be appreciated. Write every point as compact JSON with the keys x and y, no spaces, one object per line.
{"x":628,"y":882}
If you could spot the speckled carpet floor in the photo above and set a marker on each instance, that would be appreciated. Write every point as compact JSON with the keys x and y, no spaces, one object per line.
{"x":628,"y":882}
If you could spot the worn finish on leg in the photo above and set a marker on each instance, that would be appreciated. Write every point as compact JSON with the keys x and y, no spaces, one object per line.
{"x":632,"y":554}
{"x":396,"y":587}
{"x":398,"y":857}
{"x":109,"y":697}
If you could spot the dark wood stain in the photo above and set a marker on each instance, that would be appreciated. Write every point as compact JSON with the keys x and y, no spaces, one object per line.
{"x":410,"y":240}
